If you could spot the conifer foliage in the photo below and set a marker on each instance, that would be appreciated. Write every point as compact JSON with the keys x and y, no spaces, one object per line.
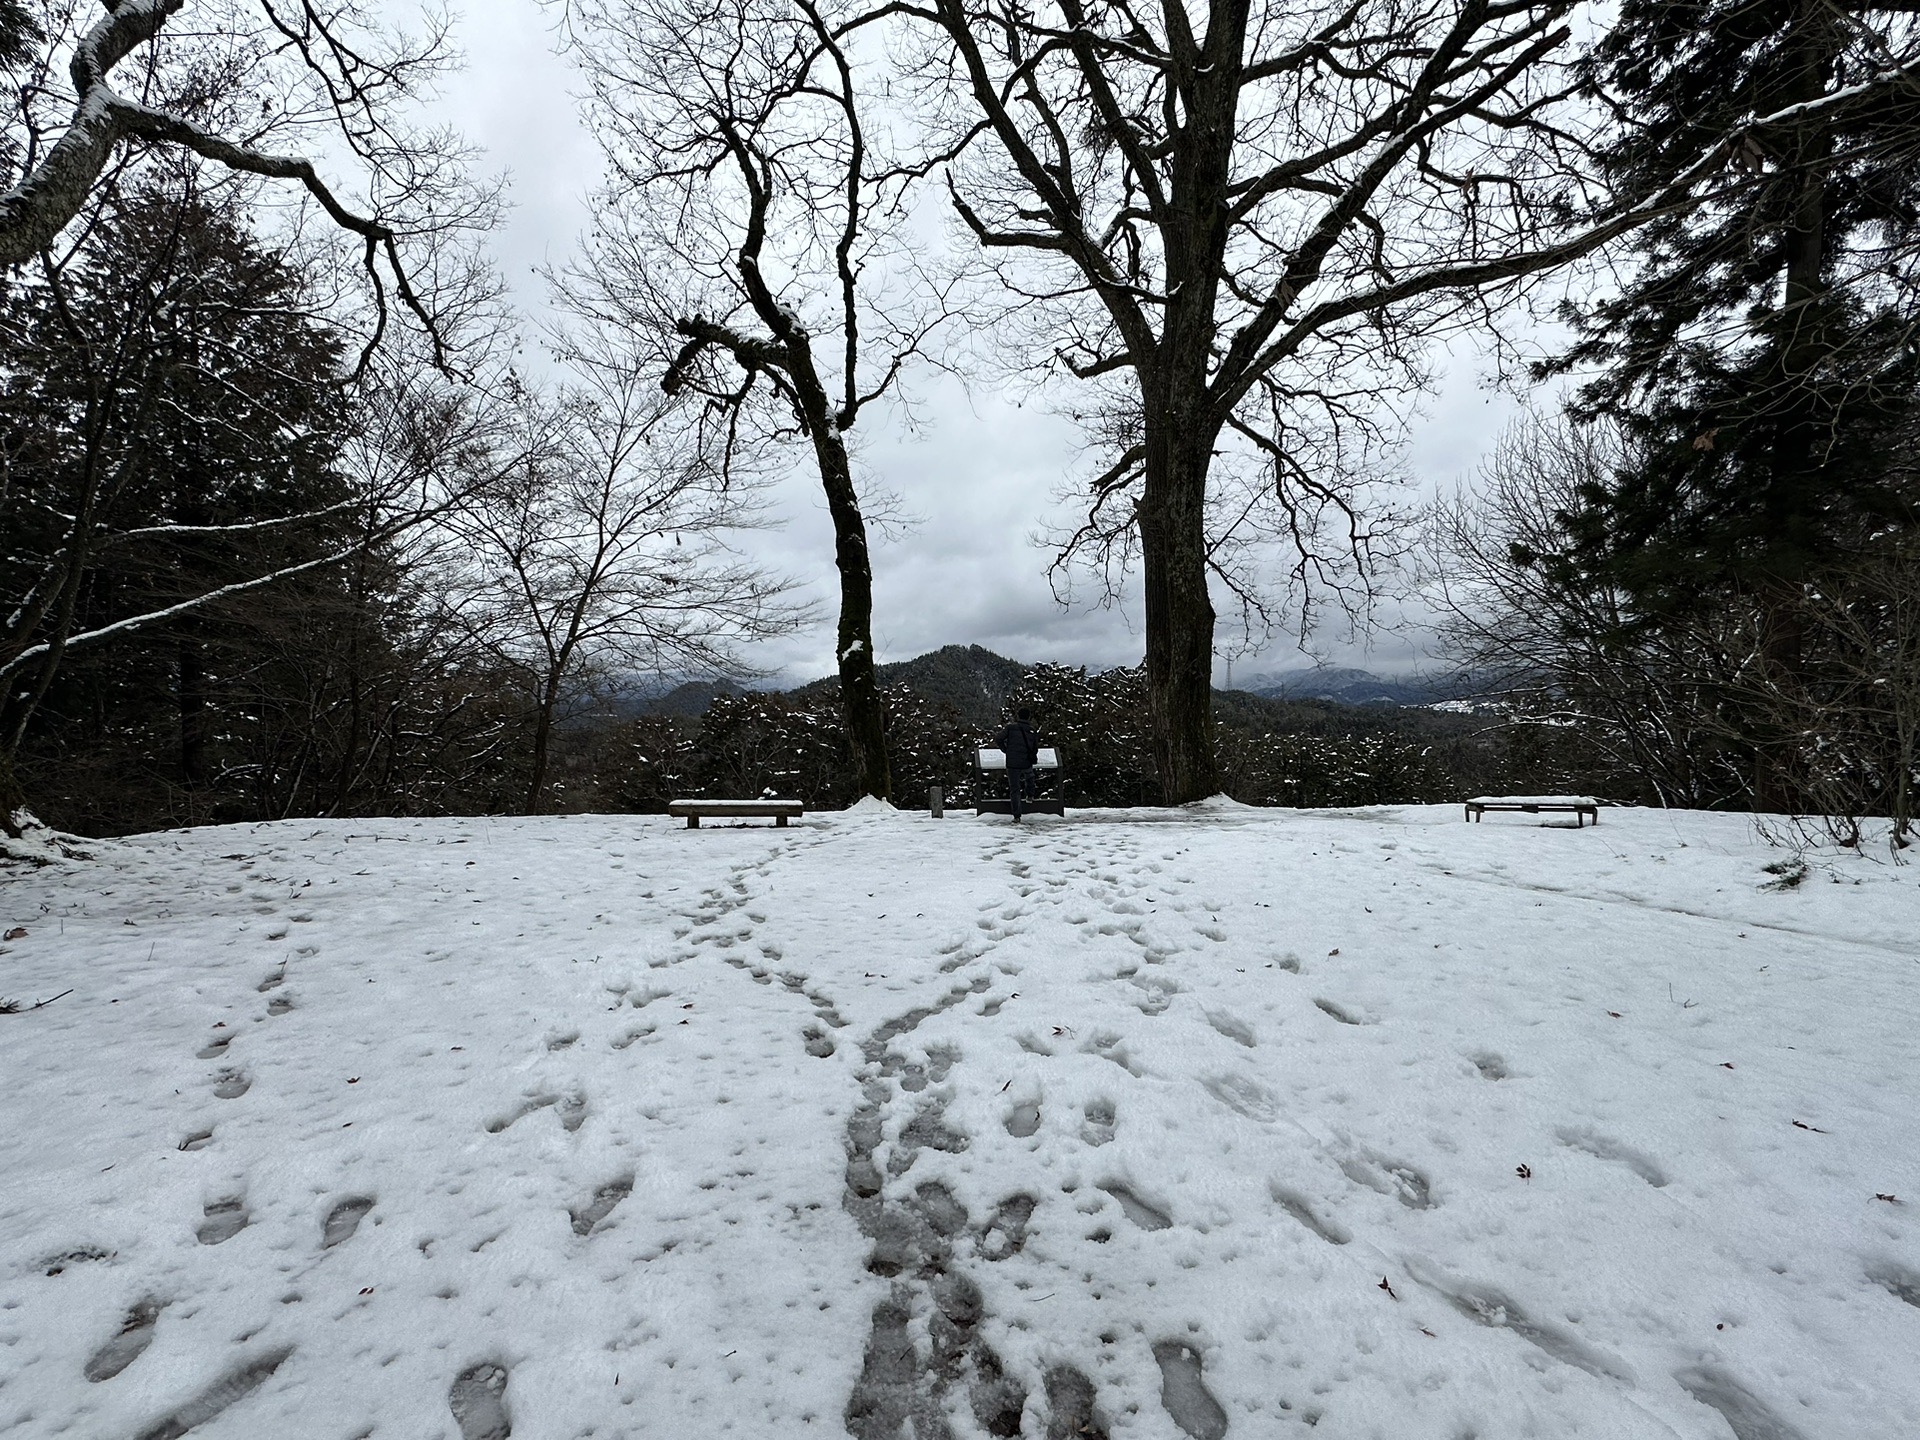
{"x":1762,"y":355}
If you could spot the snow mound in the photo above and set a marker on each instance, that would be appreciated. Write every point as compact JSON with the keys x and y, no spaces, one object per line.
{"x":37,"y":844}
{"x":1216,"y":805}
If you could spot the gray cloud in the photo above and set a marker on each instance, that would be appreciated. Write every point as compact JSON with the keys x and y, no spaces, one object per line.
{"x":980,"y":474}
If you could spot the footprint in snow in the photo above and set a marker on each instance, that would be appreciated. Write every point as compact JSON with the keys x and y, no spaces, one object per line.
{"x":1100,"y":1113}
{"x":273,"y":981}
{"x":1897,"y":1281}
{"x":225,"y":1218}
{"x":57,"y":1264}
{"x":280,"y":1005}
{"x":478,"y":1399}
{"x":1490,"y":1065}
{"x":214,"y":1048}
{"x":1023,"y":1119}
{"x":1070,"y":1413}
{"x":1110,"y":1046}
{"x":231,"y":1084}
{"x":1747,"y":1416}
{"x":533,"y":1103}
{"x":1389,"y":1177}
{"x":1485,"y":1305}
{"x":1157,"y":993}
{"x":1243,"y":1095}
{"x":587,"y":1218}
{"x":1184,"y":1392}
{"x":218,"y":1397}
{"x":1339,"y":1012}
{"x":1146,"y":1216}
{"x":573,"y":1110}
{"x":343,"y":1220}
{"x":1231,"y":1026}
{"x":938,"y":1206}
{"x":198,"y":1140}
{"x":819,"y":1044}
{"x":1301,"y":1209}
{"x":928,"y":1129}
{"x":1601,"y":1147}
{"x":1006,"y":1232}
{"x":561,"y":1042}
{"x":136,"y":1333}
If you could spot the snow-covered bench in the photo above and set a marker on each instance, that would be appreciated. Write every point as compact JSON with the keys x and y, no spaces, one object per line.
{"x":990,"y":783}
{"x":1582,"y":807}
{"x":693,"y":811}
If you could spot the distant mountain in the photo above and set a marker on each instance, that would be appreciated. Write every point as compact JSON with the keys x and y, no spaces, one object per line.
{"x":1346,"y":686}
{"x":692,"y":698}
{"x":973,"y":679}
{"x":978,"y":683}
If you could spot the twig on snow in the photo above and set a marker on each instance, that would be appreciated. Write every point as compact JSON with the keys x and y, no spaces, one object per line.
{"x":14,"y":1007}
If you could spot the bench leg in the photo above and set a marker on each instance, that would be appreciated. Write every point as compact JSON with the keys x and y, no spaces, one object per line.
{"x":780,"y":822}
{"x":693,"y":822}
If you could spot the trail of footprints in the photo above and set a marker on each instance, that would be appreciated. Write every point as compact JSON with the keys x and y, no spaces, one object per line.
{"x":477,"y":1396}
{"x":920,"y":1244}
{"x":1184,"y":1394}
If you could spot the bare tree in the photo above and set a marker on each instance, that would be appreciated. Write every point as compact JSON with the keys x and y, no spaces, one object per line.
{"x":1679,"y":705}
{"x":755,"y":224}
{"x":231,"y":83}
{"x":1235,"y":209}
{"x":601,"y":551}
{"x":1565,"y":650}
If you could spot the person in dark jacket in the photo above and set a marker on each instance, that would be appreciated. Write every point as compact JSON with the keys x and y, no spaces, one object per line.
{"x":1021,"y":745}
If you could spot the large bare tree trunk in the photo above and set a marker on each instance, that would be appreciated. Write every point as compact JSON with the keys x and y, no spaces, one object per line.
{"x":1179,"y":612}
{"x":860,"y":706}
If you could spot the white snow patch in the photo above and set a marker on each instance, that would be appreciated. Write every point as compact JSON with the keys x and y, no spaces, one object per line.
{"x":425,"y":1128}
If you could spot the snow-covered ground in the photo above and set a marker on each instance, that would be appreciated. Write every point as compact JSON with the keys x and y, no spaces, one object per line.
{"x":1134,"y":1123}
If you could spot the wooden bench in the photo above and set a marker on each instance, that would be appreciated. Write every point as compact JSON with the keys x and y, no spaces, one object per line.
{"x":1581,"y":807}
{"x":694,"y":810}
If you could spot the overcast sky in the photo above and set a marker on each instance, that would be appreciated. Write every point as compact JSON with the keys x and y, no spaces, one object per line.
{"x":979,"y":476}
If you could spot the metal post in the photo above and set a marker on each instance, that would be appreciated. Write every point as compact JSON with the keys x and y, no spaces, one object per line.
{"x":936,"y":801}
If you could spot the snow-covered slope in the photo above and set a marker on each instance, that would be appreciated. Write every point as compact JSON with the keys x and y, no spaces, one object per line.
{"x":1139,"y":1123}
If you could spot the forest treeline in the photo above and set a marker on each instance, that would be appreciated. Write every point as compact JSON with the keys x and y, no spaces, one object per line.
{"x":1305,"y":753}
{"x":290,"y":525}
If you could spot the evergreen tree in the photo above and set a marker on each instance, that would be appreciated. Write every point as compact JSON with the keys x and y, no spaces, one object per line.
{"x":1761,"y":355}
{"x":167,"y":397}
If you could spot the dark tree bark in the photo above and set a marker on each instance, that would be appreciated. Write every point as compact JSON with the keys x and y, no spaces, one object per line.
{"x":1179,"y":614}
{"x":763,"y":165}
{"x":860,"y":705}
{"x":1253,"y":213}
{"x":196,"y":713}
{"x":787,"y":353}
{"x":13,"y":801}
